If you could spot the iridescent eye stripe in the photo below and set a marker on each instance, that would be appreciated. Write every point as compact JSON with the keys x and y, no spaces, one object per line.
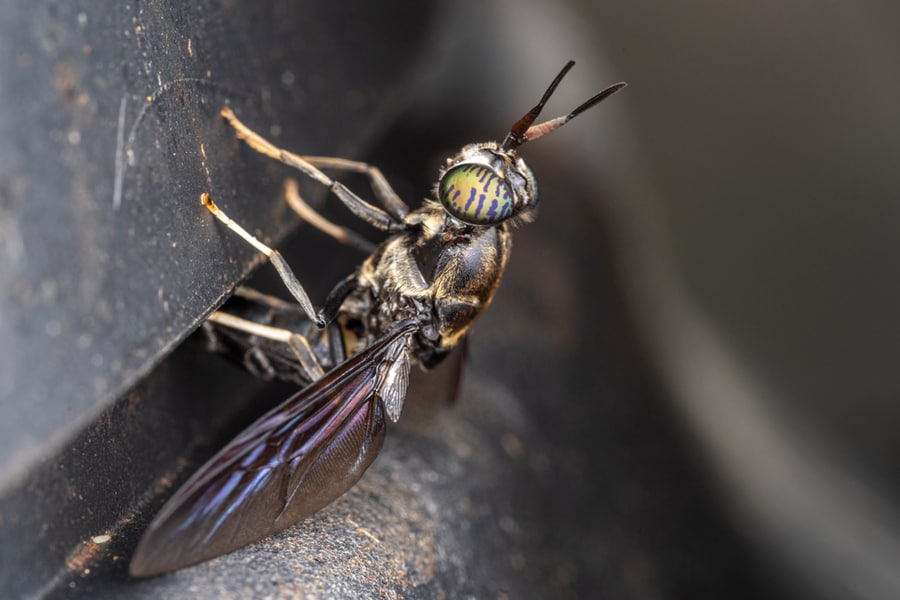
{"x":476,"y":194}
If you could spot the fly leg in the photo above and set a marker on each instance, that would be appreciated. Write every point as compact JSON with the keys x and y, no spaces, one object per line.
{"x":374,"y":216}
{"x":256,"y":358}
{"x":380,"y":186}
{"x":284,"y":270}
{"x":232,"y":330}
{"x":309,"y":214}
{"x":335,"y":297}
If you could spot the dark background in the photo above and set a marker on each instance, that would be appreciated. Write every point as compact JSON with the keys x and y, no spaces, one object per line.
{"x":685,"y":388}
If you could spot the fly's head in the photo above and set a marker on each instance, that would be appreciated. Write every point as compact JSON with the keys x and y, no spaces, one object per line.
{"x":485,"y":185}
{"x":488,"y":184}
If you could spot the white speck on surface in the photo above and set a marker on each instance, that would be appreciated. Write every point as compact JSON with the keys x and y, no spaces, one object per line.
{"x":119,"y":160}
{"x":53,"y":328}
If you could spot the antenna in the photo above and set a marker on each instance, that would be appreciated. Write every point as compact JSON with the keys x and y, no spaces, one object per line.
{"x":523,"y":130}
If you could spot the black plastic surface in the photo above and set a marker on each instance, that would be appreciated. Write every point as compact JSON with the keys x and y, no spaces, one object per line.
{"x":109,"y":132}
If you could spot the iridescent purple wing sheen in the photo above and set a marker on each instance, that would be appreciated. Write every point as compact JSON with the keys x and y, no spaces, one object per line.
{"x":293,"y":461}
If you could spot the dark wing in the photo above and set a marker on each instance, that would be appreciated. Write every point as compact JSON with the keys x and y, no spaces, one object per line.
{"x":293,"y":461}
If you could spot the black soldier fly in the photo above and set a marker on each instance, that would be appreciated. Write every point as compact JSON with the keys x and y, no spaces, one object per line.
{"x":410,"y":303}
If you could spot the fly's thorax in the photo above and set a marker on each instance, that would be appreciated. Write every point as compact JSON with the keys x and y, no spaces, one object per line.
{"x":439,"y":271}
{"x":390,"y":287}
{"x":466,"y":277}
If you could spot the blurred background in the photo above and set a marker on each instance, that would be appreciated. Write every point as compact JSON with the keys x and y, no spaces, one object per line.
{"x":768,"y":133}
{"x":685,"y":388}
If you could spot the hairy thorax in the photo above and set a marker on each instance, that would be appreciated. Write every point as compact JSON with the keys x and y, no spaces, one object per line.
{"x":441,"y":274}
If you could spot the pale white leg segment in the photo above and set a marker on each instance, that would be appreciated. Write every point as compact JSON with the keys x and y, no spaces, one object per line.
{"x":309,"y":214}
{"x":297,"y":343}
{"x":284,"y":270}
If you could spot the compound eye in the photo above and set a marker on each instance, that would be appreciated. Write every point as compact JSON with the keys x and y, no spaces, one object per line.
{"x":474,"y":193}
